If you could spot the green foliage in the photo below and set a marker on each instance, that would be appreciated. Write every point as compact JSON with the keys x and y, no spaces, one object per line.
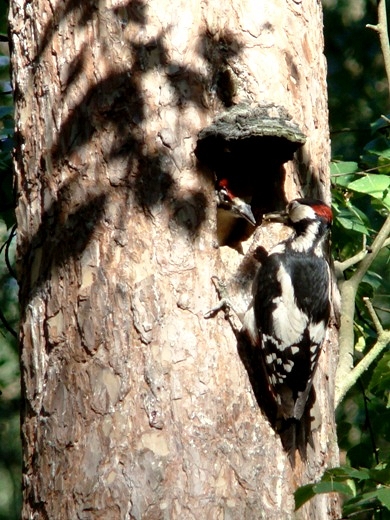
{"x":380,"y":380}
{"x":361,"y":203}
{"x":10,"y":442}
{"x":368,"y":489}
{"x":357,"y":84}
{"x":358,"y":89}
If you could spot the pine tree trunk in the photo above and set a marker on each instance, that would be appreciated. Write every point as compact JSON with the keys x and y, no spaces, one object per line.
{"x":135,"y":406}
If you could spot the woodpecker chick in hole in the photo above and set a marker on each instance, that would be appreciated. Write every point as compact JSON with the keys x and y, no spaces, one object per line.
{"x":235,"y":205}
{"x":233,"y":213}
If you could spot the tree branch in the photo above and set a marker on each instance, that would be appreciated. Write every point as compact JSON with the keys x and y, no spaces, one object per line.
{"x":383,"y":340}
{"x":381,"y":29}
{"x":374,"y":316}
{"x":346,"y":375}
{"x":340,"y":267}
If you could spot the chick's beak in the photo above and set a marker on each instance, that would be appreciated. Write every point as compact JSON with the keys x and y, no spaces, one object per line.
{"x":243,"y":209}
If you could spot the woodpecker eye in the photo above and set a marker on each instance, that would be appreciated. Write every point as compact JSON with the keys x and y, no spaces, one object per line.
{"x":224,"y":195}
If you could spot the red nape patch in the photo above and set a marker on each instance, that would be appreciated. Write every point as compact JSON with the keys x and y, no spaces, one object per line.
{"x":324,"y":211}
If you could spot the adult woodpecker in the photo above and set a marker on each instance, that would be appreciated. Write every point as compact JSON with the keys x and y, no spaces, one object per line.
{"x":291,"y":305}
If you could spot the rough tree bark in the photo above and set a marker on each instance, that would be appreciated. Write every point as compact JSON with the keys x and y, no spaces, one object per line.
{"x":135,"y":406}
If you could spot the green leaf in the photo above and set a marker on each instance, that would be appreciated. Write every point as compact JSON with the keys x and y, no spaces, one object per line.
{"x":352,"y":218}
{"x":360,"y":503}
{"x":305,"y":493}
{"x":384,"y":496}
{"x":375,"y":280}
{"x":341,"y":167}
{"x":371,"y":184}
{"x":343,"y":172}
{"x":381,"y":475}
{"x":386,"y":200}
{"x":378,"y":146}
{"x":380,"y":380}
{"x":381,"y":125}
{"x":6,"y":111}
{"x":331,"y":487}
{"x":345,"y":472}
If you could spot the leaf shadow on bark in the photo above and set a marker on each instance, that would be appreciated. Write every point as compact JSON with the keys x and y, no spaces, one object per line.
{"x":61,"y":235}
{"x":113,"y":109}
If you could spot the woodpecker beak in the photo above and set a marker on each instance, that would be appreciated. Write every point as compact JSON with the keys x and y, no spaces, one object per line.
{"x":242,"y":209}
{"x":276,"y":216}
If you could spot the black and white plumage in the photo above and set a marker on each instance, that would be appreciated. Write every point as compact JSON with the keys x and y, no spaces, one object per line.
{"x":291,"y":305}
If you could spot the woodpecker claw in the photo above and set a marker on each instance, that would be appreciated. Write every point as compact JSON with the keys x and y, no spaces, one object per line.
{"x":214,"y":311}
{"x":223,"y":303}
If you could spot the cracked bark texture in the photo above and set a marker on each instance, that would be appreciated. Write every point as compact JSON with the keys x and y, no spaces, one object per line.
{"x":135,"y":406}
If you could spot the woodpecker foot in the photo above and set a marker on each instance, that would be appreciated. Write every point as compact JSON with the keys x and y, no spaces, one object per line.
{"x":224,"y":302}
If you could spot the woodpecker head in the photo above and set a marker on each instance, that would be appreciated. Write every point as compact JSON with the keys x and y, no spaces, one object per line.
{"x":299,"y":213}
{"x":311,"y":220}
{"x":228,"y":201}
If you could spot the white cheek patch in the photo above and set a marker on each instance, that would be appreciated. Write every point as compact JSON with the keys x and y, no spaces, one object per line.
{"x":299,"y":212}
{"x":305,"y":242}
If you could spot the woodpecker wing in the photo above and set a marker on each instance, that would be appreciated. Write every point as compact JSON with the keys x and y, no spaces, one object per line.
{"x":291,"y":307}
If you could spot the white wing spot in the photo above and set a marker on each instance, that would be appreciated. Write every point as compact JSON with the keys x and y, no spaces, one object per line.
{"x":317,"y":332}
{"x":279,"y":248}
{"x":249,"y":325}
{"x":288,"y":320}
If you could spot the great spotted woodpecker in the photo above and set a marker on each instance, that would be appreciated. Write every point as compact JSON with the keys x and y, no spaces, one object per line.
{"x":233,"y":213}
{"x":288,"y":317}
{"x":234,"y":205}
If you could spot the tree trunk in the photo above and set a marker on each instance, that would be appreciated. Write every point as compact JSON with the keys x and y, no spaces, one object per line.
{"x":135,"y":406}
